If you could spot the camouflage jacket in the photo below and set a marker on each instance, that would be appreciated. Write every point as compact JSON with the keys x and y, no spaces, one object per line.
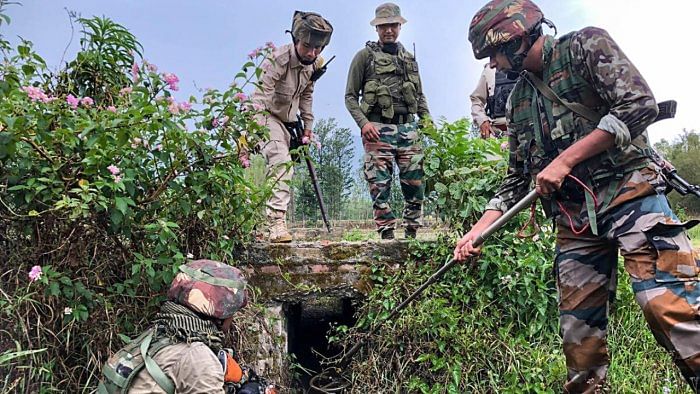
{"x":585,"y":67}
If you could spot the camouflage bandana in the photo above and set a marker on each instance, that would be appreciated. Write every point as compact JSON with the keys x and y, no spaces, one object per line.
{"x":501,"y":21}
{"x":182,"y":325}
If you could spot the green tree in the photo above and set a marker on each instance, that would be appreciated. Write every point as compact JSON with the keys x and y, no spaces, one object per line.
{"x":332,"y":157}
{"x":683,"y":153}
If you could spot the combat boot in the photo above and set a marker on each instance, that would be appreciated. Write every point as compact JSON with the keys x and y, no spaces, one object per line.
{"x":278,"y":228}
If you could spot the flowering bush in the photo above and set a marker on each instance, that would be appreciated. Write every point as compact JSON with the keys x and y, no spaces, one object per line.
{"x":108,"y":183}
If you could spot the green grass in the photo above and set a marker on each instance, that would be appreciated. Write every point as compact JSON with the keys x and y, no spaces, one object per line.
{"x":694,"y":235}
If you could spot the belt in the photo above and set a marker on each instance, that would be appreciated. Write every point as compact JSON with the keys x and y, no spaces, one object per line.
{"x":397,"y":119}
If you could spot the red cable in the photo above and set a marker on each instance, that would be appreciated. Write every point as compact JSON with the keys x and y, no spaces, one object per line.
{"x":595,"y":207}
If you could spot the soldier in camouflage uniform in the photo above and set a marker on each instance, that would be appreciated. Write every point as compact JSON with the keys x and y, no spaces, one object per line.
{"x":385,"y":75}
{"x":285,"y":90}
{"x":185,"y":341}
{"x":630,"y":213}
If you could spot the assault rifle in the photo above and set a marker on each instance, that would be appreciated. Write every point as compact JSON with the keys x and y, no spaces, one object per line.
{"x":296,"y":130}
{"x":667,"y":109}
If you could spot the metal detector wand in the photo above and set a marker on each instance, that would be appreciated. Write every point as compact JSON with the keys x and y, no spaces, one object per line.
{"x":522,"y":204}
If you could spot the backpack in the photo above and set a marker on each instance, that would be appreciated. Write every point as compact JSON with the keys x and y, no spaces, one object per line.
{"x":121,"y":369}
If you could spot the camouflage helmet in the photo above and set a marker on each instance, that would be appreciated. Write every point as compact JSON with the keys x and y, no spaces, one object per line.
{"x":501,"y":21}
{"x":210,"y":288}
{"x":311,"y":28}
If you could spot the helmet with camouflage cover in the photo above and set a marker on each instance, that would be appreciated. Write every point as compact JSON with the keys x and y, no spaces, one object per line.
{"x":210,"y":288}
{"x":500,"y":22}
{"x":311,"y":28}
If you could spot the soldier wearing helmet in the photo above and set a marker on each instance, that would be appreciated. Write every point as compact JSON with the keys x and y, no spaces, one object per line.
{"x":579,"y":114}
{"x":183,"y":351}
{"x":286,"y":90}
{"x":384,"y":95}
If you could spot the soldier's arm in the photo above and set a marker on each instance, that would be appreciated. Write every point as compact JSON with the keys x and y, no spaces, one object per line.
{"x":199,"y":371}
{"x":423,"y":111}
{"x":305,"y":106}
{"x":354,"y":86}
{"x":478,"y":99}
{"x":632,"y":105}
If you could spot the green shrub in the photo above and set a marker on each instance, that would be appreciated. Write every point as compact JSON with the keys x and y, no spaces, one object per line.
{"x":106,"y":195}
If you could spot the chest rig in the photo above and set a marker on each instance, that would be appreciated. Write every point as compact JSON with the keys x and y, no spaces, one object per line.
{"x":392,"y":84}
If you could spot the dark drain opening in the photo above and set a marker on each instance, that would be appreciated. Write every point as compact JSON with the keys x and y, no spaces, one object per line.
{"x":308,"y":323}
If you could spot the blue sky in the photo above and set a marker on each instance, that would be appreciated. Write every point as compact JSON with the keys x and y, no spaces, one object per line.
{"x":205,"y":42}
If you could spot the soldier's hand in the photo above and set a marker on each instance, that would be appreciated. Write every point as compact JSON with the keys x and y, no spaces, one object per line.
{"x":464,"y":247}
{"x":551,"y":178}
{"x":369,"y":132}
{"x":485,"y":129}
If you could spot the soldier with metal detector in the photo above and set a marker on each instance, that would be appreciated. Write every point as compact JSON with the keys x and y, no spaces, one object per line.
{"x":286,"y":90}
{"x":577,"y":127}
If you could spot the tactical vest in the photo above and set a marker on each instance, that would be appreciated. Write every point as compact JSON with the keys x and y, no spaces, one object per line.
{"x":392,"y":84}
{"x":544,"y":128}
{"x":496,"y":103}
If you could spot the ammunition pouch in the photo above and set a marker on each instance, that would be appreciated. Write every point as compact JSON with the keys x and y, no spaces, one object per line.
{"x":369,"y":96}
{"x":384,"y":101}
{"x":408,"y":90}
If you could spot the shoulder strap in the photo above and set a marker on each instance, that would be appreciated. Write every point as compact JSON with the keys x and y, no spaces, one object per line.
{"x":552,"y":96}
{"x":153,"y":369}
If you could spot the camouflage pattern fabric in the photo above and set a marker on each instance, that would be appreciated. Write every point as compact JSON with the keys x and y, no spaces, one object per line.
{"x":387,"y":13}
{"x":589,"y":68}
{"x":210,"y":288}
{"x":500,"y":21}
{"x":398,"y":143}
{"x":311,"y":28}
{"x":663,"y":269}
{"x":617,"y":90}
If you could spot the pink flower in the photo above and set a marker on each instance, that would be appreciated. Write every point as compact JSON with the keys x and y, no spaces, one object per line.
{"x":87,"y":102}
{"x":504,"y":145}
{"x":135,"y":72}
{"x":152,"y":67}
{"x":173,"y":107}
{"x":36,"y":94}
{"x":117,"y":178}
{"x":240,"y":96}
{"x":135,"y":142}
{"x":112,"y":108}
{"x":172,"y":80}
{"x":305,"y":140}
{"x":254,"y":53}
{"x":125,"y":90}
{"x":270,"y":45}
{"x":216,"y":122}
{"x":185,"y":106}
{"x":72,"y":101}
{"x":114,"y":170}
{"x":159,"y":147}
{"x":35,"y":273}
{"x":245,"y":162}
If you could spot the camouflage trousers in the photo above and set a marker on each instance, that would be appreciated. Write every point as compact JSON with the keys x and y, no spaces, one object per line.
{"x":399,"y":143}
{"x":663,"y":269}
